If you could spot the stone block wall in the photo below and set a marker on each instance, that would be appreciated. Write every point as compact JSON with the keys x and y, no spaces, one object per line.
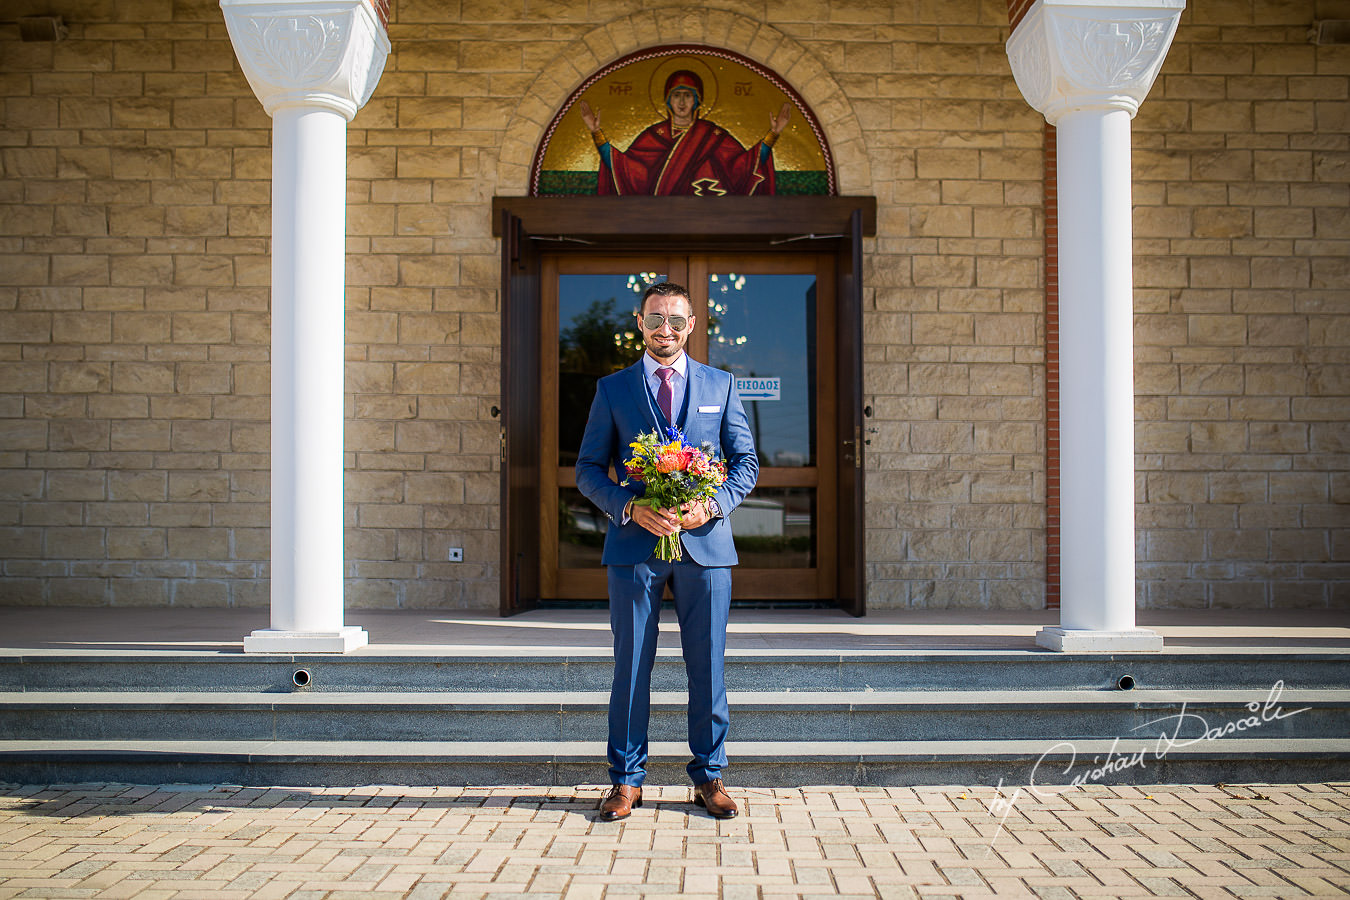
{"x":134,"y":226}
{"x":1242,"y":335}
{"x":134,"y":336}
{"x":924,"y":115}
{"x":133,"y":311}
{"x":955,"y":336}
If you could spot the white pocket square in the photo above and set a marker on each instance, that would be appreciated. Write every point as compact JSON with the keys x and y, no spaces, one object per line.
{"x":709,"y":409}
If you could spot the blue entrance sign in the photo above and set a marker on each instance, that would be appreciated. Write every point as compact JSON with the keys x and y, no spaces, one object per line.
{"x":758,"y":388}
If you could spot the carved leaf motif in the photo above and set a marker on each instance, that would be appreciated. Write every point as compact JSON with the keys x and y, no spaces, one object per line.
{"x":296,"y":50}
{"x":1112,"y":54}
{"x":368,"y":66}
{"x":1031,"y":68}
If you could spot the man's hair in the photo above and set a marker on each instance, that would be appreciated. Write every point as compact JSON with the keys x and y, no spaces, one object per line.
{"x":666,"y":289}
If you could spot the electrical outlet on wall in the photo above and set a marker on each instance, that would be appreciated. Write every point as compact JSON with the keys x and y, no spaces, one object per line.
{"x":456,"y":554}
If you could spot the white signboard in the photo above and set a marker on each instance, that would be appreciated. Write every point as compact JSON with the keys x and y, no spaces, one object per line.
{"x":758,"y":388}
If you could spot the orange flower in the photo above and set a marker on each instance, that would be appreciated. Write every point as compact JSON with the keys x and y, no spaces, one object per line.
{"x":669,"y":462}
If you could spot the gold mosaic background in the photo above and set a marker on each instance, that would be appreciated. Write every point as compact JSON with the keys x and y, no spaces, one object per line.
{"x":630,"y":99}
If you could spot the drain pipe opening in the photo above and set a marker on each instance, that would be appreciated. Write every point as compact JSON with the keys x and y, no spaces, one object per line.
{"x":301,"y":678}
{"x":1125,"y":682}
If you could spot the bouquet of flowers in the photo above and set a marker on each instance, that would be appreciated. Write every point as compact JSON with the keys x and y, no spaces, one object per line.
{"x":674,"y":473}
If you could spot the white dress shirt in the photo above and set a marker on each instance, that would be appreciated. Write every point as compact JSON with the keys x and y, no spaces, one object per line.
{"x":677,"y":384}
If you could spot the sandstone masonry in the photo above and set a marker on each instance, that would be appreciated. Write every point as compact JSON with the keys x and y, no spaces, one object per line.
{"x":134,"y":220}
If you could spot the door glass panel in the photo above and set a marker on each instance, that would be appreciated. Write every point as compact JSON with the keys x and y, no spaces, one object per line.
{"x":775,"y":528}
{"x":581,"y":531}
{"x":597,"y":336}
{"x":762,"y":327}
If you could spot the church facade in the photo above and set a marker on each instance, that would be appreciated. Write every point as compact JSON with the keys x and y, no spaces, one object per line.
{"x":138,"y":260}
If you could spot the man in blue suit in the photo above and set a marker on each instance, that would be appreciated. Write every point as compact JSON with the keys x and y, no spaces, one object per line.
{"x":666,"y":388}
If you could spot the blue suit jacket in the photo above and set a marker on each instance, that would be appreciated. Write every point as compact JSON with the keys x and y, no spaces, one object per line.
{"x":623,"y":409}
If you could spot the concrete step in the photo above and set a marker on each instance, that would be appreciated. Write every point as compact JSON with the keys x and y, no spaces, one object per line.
{"x":756,"y":716}
{"x":766,"y":763}
{"x":798,"y":718}
{"x":1011,"y":670}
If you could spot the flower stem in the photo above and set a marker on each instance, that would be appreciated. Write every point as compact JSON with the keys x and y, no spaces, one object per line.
{"x":668,"y":548}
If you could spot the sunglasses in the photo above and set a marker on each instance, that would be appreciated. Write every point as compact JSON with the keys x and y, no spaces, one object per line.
{"x":653,"y":321}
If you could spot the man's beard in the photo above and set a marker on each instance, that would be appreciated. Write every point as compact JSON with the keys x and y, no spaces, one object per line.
{"x":664,"y":351}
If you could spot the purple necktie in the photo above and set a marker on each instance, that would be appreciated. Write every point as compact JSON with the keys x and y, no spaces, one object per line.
{"x":665,"y":395}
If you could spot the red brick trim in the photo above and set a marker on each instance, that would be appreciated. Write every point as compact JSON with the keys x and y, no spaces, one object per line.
{"x":381,"y":8}
{"x":1052,"y":506}
{"x":1017,"y":10}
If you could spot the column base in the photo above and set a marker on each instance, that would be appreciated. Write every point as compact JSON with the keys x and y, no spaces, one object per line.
{"x":1086,"y":640}
{"x":275,"y":640}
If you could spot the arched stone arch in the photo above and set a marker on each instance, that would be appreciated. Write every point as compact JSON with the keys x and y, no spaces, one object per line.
{"x":714,"y":27}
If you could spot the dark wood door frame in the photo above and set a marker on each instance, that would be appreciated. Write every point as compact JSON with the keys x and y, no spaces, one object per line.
{"x":529,"y":224}
{"x":519,"y":454}
{"x":631,"y":222}
{"x":851,"y":584}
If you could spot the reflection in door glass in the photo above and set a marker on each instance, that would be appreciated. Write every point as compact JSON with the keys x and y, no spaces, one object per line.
{"x":581,"y":531}
{"x":775,"y":528}
{"x":762,"y":327}
{"x":597,"y":336}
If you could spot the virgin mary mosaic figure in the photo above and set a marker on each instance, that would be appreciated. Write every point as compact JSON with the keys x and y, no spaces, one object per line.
{"x":685,"y":154}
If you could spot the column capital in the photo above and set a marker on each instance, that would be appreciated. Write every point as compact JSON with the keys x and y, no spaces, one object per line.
{"x":308,"y":53}
{"x":1069,"y":55}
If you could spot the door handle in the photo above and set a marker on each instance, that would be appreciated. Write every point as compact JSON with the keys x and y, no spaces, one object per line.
{"x":856,"y":442}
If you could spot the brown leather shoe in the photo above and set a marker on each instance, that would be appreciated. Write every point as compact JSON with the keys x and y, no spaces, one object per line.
{"x":619,"y":802}
{"x":713,"y":797}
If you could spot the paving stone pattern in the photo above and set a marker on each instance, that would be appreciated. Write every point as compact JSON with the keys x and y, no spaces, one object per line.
{"x":189,"y":841}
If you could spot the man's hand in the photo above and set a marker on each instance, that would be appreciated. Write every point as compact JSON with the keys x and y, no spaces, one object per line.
{"x":592,"y":119}
{"x":693,"y":514}
{"x":776,"y":123}
{"x":659,"y":522}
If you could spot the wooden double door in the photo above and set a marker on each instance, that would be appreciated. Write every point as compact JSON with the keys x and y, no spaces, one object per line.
{"x":766,"y":318}
{"x":779,"y":307}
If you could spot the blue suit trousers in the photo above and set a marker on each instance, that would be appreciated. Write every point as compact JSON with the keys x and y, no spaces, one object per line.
{"x":702,"y":605}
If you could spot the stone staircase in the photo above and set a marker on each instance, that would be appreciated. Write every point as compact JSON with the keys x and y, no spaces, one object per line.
{"x":864,"y":717}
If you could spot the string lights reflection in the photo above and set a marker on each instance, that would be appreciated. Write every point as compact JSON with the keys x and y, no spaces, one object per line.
{"x":639,"y":282}
{"x":732,"y":281}
{"x":725,"y":284}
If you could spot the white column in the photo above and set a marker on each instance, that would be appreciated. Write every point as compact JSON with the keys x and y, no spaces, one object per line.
{"x":313,"y":64}
{"x":1087,"y":67}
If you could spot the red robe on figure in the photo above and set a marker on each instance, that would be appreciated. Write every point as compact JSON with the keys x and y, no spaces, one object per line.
{"x":703,"y":159}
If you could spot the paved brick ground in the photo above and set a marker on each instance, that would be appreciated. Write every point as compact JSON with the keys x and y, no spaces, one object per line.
{"x":122,"y":841}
